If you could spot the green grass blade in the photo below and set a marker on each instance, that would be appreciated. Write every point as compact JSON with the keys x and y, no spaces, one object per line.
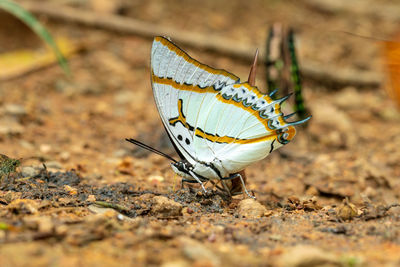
{"x":35,"y":25}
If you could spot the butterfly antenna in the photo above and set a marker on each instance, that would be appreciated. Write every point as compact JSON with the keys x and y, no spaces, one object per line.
{"x":149,"y":148}
{"x":283,"y":99}
{"x":253,"y":71}
{"x":273,"y":92}
{"x":289,"y":115}
{"x":299,"y":122}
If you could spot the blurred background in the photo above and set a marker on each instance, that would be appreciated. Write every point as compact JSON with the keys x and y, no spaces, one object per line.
{"x":348,"y":53}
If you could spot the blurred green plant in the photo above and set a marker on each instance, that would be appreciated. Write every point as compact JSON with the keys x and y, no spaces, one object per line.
{"x":4,"y":226}
{"x":351,"y":261}
{"x":283,"y":69}
{"x":25,"y":16}
{"x":7,"y":166}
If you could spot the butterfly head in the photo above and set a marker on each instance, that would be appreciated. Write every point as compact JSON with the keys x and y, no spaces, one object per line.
{"x":182,"y":168}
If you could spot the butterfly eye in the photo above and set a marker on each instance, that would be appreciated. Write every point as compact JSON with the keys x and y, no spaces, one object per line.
{"x":285,"y":136}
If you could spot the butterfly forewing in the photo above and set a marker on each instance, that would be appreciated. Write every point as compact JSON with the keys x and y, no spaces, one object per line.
{"x":181,"y":87}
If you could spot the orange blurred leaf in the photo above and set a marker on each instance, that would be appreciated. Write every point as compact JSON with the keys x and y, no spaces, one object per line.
{"x":391,"y":53}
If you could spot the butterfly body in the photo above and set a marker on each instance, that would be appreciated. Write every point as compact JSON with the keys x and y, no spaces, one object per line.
{"x":217,"y":124}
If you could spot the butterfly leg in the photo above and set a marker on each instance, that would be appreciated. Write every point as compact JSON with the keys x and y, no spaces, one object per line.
{"x":183,"y":181}
{"x":189,"y":181}
{"x":216,"y":185}
{"x":226,"y":187}
{"x":236,"y":175}
{"x":244,"y":187}
{"x":198,"y":180}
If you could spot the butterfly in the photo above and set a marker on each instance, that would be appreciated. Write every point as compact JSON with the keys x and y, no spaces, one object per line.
{"x":217,"y":124}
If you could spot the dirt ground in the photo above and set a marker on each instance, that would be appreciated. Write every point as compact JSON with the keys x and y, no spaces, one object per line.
{"x":329,"y":198}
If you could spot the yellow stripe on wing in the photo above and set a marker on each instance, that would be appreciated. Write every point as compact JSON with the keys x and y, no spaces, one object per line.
{"x":248,"y":109}
{"x":232,"y":140}
{"x":225,"y":139}
{"x":210,"y":89}
{"x":183,"y":87}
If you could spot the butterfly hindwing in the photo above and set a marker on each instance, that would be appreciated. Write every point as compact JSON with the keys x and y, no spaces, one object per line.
{"x":247,"y":129}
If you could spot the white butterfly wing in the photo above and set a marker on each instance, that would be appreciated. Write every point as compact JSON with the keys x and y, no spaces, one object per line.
{"x":181,"y":87}
{"x":242,"y":126}
{"x":210,"y":116}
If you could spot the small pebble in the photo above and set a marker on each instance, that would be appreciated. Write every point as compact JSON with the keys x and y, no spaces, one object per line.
{"x":275,"y":237}
{"x":197,"y":251}
{"x":53,"y":165}
{"x":176,"y":263}
{"x":23,"y":206}
{"x":15,"y":110}
{"x":186,"y":211}
{"x":165,"y":207}
{"x":45,"y":148}
{"x":120,"y":153}
{"x":155,"y":179}
{"x":303,"y":255}
{"x":65,"y":156}
{"x":11,"y":127}
{"x":71,"y":190}
{"x":91,"y":198}
{"x":251,"y":208}
{"x":347,"y":211}
{"x":124,"y":97}
{"x":45,"y":224}
{"x":29,"y":171}
{"x":94,"y":176}
{"x":27,"y":145}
